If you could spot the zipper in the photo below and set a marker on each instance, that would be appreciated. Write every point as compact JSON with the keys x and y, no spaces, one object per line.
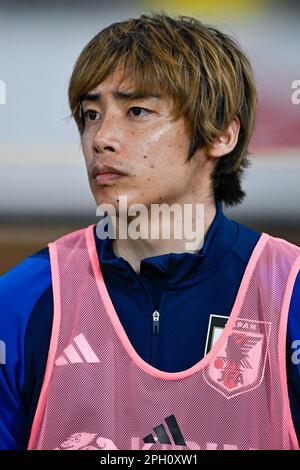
{"x":155,"y":322}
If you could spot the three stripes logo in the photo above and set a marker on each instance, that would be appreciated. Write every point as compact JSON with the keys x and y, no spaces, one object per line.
{"x":78,"y":352}
{"x":162,"y":435}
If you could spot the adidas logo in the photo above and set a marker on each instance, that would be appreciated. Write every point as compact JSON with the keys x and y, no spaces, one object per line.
{"x":162,"y":435}
{"x":81,"y":351}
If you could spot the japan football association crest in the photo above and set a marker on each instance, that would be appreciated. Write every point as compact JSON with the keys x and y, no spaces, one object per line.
{"x":240,"y":364}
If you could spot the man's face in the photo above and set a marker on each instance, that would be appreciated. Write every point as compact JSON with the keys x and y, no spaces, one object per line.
{"x":138,"y":138}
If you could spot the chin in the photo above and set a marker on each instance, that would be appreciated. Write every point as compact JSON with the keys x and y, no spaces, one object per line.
{"x":115,"y":199}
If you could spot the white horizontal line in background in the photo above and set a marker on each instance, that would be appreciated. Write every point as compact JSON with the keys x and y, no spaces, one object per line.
{"x":45,"y":179}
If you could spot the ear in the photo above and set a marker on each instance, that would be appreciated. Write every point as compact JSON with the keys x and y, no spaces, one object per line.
{"x":227,"y":141}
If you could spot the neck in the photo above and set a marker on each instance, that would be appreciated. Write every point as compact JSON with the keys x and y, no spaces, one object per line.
{"x":135,"y":250}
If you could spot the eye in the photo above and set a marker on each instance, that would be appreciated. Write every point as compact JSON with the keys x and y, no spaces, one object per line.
{"x":91,"y":115}
{"x":138,"y":108}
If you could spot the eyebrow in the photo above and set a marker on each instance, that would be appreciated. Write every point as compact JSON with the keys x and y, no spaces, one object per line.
{"x":120,"y":95}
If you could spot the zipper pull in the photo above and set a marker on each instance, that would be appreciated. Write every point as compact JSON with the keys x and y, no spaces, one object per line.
{"x":155,"y":322}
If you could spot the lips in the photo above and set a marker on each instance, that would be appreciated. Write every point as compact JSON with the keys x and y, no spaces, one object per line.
{"x":106,"y":169}
{"x":102,"y":174}
{"x":104,"y":178}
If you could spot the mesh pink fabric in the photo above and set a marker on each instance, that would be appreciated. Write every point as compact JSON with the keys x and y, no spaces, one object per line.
{"x":98,"y":393}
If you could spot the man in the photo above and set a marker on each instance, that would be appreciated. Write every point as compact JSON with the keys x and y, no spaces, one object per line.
{"x":113,"y":343}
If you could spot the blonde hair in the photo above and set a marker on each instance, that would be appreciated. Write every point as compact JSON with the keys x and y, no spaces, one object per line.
{"x":203,"y":70}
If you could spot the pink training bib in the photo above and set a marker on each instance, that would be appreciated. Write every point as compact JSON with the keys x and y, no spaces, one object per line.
{"x":98,"y":393}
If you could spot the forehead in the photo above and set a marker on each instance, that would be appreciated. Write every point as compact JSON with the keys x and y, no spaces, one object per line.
{"x":123,"y":88}
{"x":118,"y":79}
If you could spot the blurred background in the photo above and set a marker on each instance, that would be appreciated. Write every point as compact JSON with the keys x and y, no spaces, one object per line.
{"x":44,"y":189}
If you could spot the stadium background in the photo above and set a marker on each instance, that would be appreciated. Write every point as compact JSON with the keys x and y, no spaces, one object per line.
{"x":44,"y":190}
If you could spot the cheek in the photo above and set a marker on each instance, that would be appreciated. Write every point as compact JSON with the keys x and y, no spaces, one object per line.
{"x":84,"y":143}
{"x":167,"y":156}
{"x":166,"y":165}
{"x":86,"y":150}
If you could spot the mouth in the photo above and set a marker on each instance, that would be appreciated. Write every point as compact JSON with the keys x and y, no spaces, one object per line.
{"x":103,"y":174}
{"x":104,"y":178}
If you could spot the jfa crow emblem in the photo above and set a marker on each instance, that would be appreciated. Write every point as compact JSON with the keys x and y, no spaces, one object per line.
{"x":239,"y":365}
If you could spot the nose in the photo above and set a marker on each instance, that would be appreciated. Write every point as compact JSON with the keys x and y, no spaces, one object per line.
{"x":108,"y":135}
